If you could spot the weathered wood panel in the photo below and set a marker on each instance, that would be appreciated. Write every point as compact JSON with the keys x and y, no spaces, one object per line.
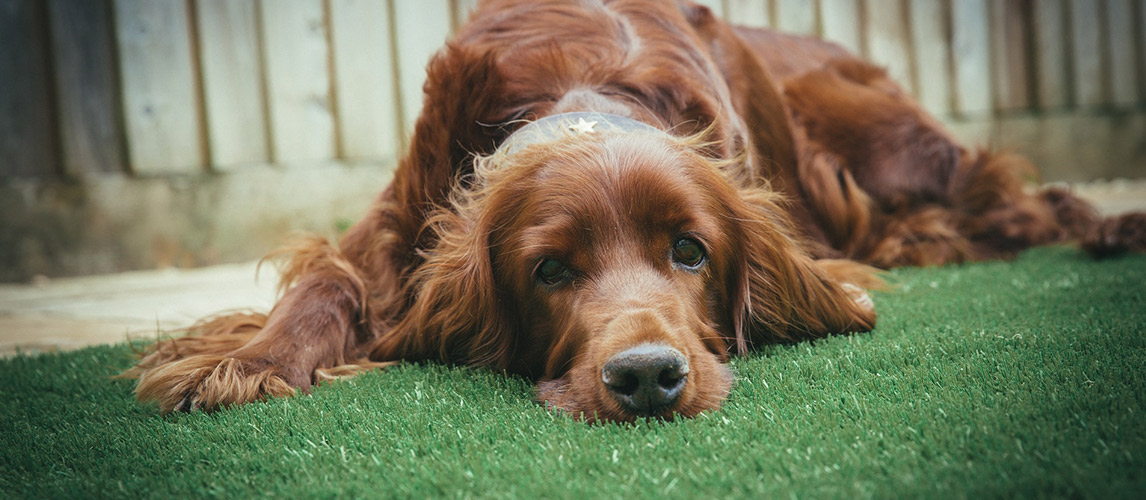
{"x":840,"y":23}
{"x":1011,"y":54}
{"x":1086,"y":53}
{"x":28,"y":142}
{"x":298,"y":80}
{"x":930,"y":38}
{"x":756,"y":13}
{"x":1051,"y":59}
{"x":1141,"y":10}
{"x":889,"y":39}
{"x":462,"y":10}
{"x":421,"y":29}
{"x":232,"y":82}
{"x":160,"y":95}
{"x":796,"y":16}
{"x":364,"y":76}
{"x":971,"y":56}
{"x":90,"y":125}
{"x":1120,"y":41}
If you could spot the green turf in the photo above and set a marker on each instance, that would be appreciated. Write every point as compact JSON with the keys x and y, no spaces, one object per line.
{"x":996,"y":379}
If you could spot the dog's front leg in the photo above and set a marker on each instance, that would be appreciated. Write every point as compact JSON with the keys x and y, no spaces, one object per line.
{"x":314,"y":326}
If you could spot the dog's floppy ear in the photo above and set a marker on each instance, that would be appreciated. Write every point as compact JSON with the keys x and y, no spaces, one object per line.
{"x":455,"y":314}
{"x":780,"y":293}
{"x":464,"y":95}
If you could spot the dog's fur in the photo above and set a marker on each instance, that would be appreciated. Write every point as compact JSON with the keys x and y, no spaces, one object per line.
{"x":791,"y":163}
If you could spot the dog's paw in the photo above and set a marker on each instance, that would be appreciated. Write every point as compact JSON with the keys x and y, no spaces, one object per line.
{"x":859,"y":296}
{"x":1117,"y":235}
{"x":209,"y":382}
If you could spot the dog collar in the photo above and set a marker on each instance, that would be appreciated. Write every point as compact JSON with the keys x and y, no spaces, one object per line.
{"x":563,"y":125}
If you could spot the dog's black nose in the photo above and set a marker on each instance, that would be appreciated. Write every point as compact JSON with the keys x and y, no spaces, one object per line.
{"x":647,"y":378}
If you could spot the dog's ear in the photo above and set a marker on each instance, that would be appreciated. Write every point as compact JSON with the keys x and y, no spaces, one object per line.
{"x":779,"y":292}
{"x":463,"y":103}
{"x":455,"y":314}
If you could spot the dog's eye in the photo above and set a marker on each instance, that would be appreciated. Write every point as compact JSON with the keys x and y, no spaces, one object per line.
{"x":688,"y":253}
{"x":552,"y":272}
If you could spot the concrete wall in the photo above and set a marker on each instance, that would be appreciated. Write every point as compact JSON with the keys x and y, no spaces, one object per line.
{"x":115,"y":223}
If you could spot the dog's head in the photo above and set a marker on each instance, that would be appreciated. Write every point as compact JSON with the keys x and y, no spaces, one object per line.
{"x":620,"y":270}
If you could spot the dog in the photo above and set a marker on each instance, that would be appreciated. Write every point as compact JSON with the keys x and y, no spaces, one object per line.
{"x":612,"y":198}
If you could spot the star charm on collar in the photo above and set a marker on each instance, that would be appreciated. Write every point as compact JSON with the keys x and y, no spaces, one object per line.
{"x":583,"y":127}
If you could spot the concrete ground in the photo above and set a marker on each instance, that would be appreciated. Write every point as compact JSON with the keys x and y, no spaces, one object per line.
{"x":62,"y":314}
{"x":70,"y":313}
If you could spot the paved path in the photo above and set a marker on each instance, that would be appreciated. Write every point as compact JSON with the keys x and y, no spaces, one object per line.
{"x":75,"y":312}
{"x":1115,"y":197}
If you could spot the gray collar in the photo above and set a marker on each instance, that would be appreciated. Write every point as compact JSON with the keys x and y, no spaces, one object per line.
{"x":562,"y":125}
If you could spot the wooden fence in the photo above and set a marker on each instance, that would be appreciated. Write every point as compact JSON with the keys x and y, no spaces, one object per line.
{"x":156,"y":87}
{"x":153,"y":87}
{"x":144,"y":133}
{"x":971,"y":58}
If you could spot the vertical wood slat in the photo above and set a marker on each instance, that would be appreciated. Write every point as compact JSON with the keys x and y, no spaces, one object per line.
{"x":364,"y":83}
{"x":1140,"y":7}
{"x":888,"y":39}
{"x":755,"y":13}
{"x":297,"y":76}
{"x":87,"y":89}
{"x":795,"y":16}
{"x":840,"y":22}
{"x":232,"y":82}
{"x":971,"y":58}
{"x":1010,"y":49}
{"x":28,"y":142}
{"x":1086,"y":45}
{"x":462,"y":10}
{"x":160,"y":98}
{"x":420,"y":28}
{"x":1120,"y":45}
{"x":1052,"y":88}
{"x":930,"y":36}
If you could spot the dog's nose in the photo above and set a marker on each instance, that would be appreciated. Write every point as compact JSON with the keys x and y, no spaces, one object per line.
{"x":646,"y":378}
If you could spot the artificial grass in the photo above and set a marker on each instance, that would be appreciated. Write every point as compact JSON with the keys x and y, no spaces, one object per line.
{"x":996,"y":379}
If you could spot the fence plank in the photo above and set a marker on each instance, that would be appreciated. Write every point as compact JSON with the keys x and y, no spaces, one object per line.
{"x":931,"y":36}
{"x":1120,"y":45}
{"x":232,"y":82}
{"x":298,"y":83}
{"x":840,"y":20}
{"x":1052,"y":88}
{"x":1011,"y":55}
{"x":364,"y":76}
{"x":421,"y":29}
{"x":462,"y":11}
{"x":27,"y":136}
{"x":970,"y":52}
{"x":750,"y":12}
{"x":1086,"y":45}
{"x":888,"y":40}
{"x":160,"y":99}
{"x":795,"y":16}
{"x":87,"y":92}
{"x":1141,"y":8}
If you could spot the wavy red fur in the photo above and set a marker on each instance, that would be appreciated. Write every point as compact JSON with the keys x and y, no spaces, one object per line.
{"x":788,"y":164}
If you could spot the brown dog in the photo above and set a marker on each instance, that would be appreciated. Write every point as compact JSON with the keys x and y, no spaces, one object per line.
{"x":652,"y":190}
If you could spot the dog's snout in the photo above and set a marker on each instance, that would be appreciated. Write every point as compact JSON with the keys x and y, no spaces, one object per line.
{"x":647,"y":378}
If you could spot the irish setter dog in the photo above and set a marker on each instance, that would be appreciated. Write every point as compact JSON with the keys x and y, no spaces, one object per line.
{"x":613,"y":197}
